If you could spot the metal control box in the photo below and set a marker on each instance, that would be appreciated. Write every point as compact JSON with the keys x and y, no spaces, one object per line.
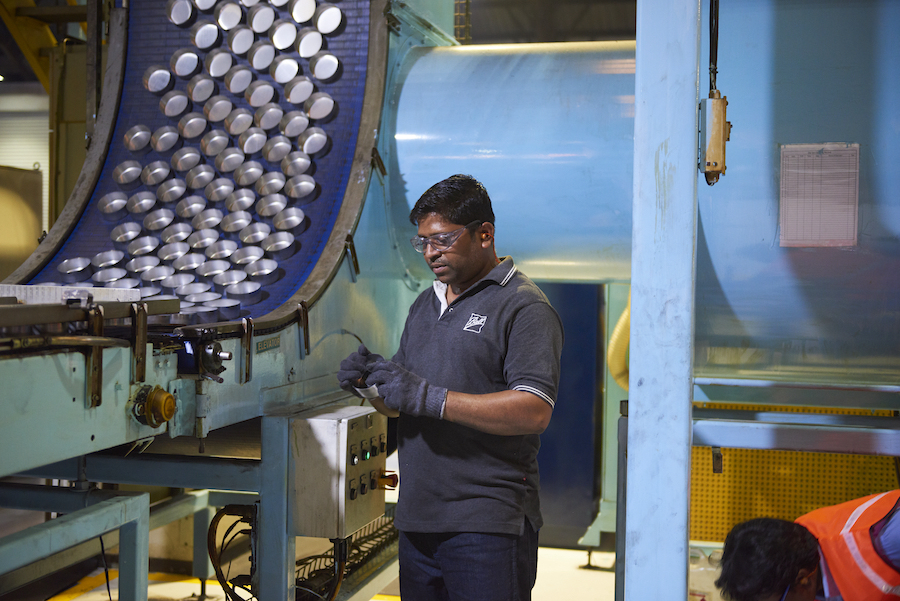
{"x":339,"y":454}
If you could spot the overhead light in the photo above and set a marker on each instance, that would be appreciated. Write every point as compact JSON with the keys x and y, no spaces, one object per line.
{"x":1,"y":78}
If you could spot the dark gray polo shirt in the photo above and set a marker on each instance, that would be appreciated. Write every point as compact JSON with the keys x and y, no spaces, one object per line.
{"x":500,"y":334}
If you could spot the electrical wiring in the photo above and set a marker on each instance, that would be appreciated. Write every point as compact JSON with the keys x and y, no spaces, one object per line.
{"x":214,"y":555}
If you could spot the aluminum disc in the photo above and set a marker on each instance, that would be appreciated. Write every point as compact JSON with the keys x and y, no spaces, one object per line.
{"x":219,"y":189}
{"x":141,"y":264}
{"x":309,"y":42}
{"x":276,"y":149}
{"x":203,"y":298}
{"x":112,"y":202}
{"x":228,"y":15}
{"x":210,"y":269}
{"x":229,"y":159}
{"x":202,"y":238}
{"x":157,"y":274}
{"x":300,"y":186}
{"x":221,"y":249}
{"x":177,"y":232}
{"x":277,"y":241}
{"x":193,"y":287}
{"x":271,"y":204}
{"x":141,"y":202}
{"x":158,"y":219}
{"x":249,"y":3}
{"x":173,"y":103}
{"x":284,"y":68}
{"x":192,"y":125}
{"x":184,"y":62}
{"x":190,"y":206}
{"x":214,"y":142}
{"x":124,"y":283}
{"x":204,"y":34}
{"x":261,"y":17}
{"x":327,"y":18}
{"x":156,"y":171}
{"x":264,"y":271}
{"x":240,"y":200}
{"x":270,"y":183}
{"x":201,"y":87}
{"x":218,"y":62}
{"x":238,"y":79}
{"x":207,"y":219}
{"x":142,"y":246}
{"x":126,"y":172}
{"x":172,"y":251}
{"x":283,"y":34}
{"x":105,"y":276}
{"x":238,"y":121}
{"x":185,"y":158}
{"x":229,"y":278}
{"x":227,"y":308}
{"x":278,"y":3}
{"x":246,"y":292}
{"x":268,"y":116}
{"x":252,"y":140}
{"x":295,"y":163}
{"x":177,"y":280}
{"x":163,"y":139}
{"x":293,"y":124}
{"x":298,"y":89}
{"x":217,"y":108}
{"x":240,"y":39}
{"x":246,"y":255}
{"x":200,"y":176}
{"x":302,"y":10}
{"x":323,"y":65}
{"x":188,"y":262}
{"x":255,"y":232}
{"x":171,"y":190}
{"x":125,"y":232}
{"x":108,"y":259}
{"x":312,"y":140}
{"x":288,"y":219}
{"x":259,"y":93}
{"x":137,"y":138}
{"x":319,"y":105}
{"x":157,"y":79}
{"x":261,"y":55}
{"x":235,"y":222}
{"x":204,"y":5}
{"x":179,"y":11}
{"x":248,"y":173}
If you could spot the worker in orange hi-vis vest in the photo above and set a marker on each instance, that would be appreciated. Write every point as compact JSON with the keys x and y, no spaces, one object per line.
{"x":846,"y":552}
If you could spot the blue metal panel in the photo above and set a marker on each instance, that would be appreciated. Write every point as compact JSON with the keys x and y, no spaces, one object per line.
{"x":800,"y":73}
{"x":567,"y":452}
{"x":548,"y":128}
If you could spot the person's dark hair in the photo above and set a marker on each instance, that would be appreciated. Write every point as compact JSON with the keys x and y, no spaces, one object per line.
{"x":458,"y":199}
{"x":763,"y":556}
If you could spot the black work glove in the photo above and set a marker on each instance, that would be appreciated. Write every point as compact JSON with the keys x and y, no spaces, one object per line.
{"x":354,"y":369}
{"x":406,"y":392}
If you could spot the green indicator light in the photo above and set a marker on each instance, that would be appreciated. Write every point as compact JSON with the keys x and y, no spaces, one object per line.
{"x":366,"y":455}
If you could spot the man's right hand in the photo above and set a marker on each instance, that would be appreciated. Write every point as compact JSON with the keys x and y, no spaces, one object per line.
{"x":354,"y":369}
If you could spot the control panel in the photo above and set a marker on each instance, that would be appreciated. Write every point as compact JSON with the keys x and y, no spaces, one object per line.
{"x":339,"y":457}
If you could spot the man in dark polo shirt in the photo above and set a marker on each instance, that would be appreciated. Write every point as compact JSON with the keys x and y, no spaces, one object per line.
{"x":473,"y":383}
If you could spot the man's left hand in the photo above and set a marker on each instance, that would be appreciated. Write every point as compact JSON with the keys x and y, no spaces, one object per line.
{"x":406,"y":392}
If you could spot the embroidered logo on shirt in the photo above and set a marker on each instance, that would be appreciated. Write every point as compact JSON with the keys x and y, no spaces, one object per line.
{"x":475,"y":323}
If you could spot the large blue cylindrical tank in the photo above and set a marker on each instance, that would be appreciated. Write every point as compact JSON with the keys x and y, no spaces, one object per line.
{"x":548,"y":128}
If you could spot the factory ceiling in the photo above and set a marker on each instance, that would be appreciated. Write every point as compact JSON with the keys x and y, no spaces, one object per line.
{"x":491,"y":22}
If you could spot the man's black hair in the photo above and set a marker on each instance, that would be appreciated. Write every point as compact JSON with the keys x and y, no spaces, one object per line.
{"x":458,"y":199}
{"x":763,"y":556}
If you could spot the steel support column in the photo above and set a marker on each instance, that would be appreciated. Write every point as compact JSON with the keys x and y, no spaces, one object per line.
{"x":662,"y":299}
{"x":277,"y":543}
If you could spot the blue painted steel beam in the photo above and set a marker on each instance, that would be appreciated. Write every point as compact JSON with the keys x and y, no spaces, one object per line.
{"x":128,"y":513}
{"x":161,"y":470}
{"x":277,"y":543}
{"x":662,"y":299}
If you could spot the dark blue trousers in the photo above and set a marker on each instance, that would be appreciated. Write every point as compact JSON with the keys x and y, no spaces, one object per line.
{"x":468,"y":566}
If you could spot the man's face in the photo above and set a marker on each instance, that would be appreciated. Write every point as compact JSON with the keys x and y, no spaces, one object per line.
{"x":465,"y":262}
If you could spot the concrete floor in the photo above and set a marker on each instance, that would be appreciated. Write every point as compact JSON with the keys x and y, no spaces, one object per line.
{"x":560,"y":576}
